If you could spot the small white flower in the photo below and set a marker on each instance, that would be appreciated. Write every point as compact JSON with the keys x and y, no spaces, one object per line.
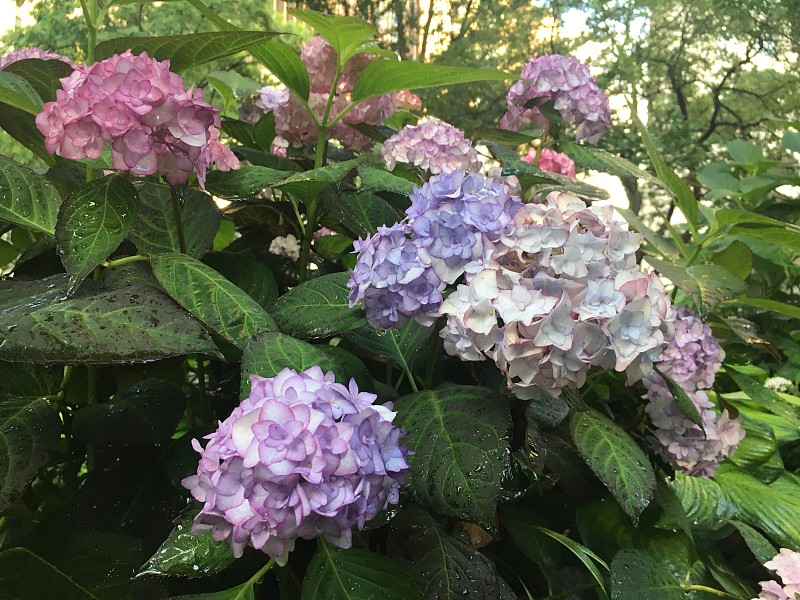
{"x":286,"y":245}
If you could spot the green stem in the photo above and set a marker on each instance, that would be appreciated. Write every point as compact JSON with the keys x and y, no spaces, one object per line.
{"x":708,"y":590}
{"x":261,"y":572}
{"x":312,"y":206}
{"x":176,"y":211}
{"x":540,"y":147}
{"x":125,"y":261}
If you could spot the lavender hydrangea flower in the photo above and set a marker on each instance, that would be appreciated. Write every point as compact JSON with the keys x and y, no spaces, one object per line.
{"x":787,"y":565}
{"x":566,"y":82}
{"x":692,"y":359}
{"x":26,"y":53}
{"x":301,"y":457}
{"x":432,"y":145}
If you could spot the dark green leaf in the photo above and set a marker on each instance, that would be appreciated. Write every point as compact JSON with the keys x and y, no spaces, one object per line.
{"x":523,"y":527}
{"x":374,"y":179}
{"x":92,"y":222}
{"x":705,"y":503}
{"x":736,"y":216}
{"x":791,"y":141}
{"x":547,"y":410}
{"x":17,"y":92}
{"x":386,"y":76}
{"x":27,"y":198}
{"x":779,"y":236}
{"x":616,"y":460}
{"x":331,"y":247}
{"x":154,"y":229}
{"x":459,"y":436}
{"x":240,"y":592}
{"x":678,"y":276}
{"x":772,"y":305}
{"x":736,"y":258}
{"x":317,"y":308}
{"x":269,"y":353}
{"x":216,"y":302}
{"x":687,"y":203}
{"x":29,"y":430}
{"x":22,"y":127}
{"x":636,"y":575}
{"x":362,"y":213}
{"x":187,"y":555}
{"x":354,"y":574}
{"x":248,"y":273}
{"x":42,"y":75}
{"x":309,"y":184}
{"x":504,"y":136}
{"x":264,"y":132}
{"x":601,"y":160}
{"x":774,"y":508}
{"x":134,"y":324}
{"x":760,"y":546}
{"x":682,"y":399}
{"x":442,"y":566}
{"x":398,"y":345}
{"x":146,"y":412}
{"x":246,"y":182}
{"x":184,"y":51}
{"x":716,"y":284}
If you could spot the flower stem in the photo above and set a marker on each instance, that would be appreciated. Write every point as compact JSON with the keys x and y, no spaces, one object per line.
{"x":540,"y":147}
{"x":312,"y":205}
{"x":708,"y":590}
{"x":125,"y":260}
{"x":176,"y":211}
{"x":260,"y":573}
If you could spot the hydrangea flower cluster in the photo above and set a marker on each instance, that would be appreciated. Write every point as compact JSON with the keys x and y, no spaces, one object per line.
{"x":779,"y":384}
{"x":285,"y":245}
{"x":26,"y":53}
{"x":566,"y":82}
{"x":559,"y":293}
{"x":402,"y":270}
{"x":432,"y":145}
{"x":552,"y":161}
{"x":137,"y":105}
{"x":293,"y":122}
{"x":301,"y":457}
{"x":692,"y":359}
{"x":787,"y":565}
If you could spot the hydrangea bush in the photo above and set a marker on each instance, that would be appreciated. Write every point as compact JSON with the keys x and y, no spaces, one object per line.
{"x":338,"y":348}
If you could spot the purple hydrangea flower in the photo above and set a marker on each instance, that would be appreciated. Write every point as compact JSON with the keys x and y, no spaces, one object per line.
{"x":787,"y":565}
{"x":432,"y":145}
{"x":301,"y":457}
{"x":26,"y":53}
{"x":566,"y":82}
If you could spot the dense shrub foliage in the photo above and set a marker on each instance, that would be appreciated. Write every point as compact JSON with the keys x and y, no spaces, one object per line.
{"x":334,"y":348}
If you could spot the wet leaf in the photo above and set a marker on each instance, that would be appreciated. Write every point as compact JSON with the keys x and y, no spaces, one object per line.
{"x":43,"y":75}
{"x":92,"y":222}
{"x":362,"y":213}
{"x":706,"y":504}
{"x":398,"y":345}
{"x":27,"y":198}
{"x":636,"y":575}
{"x":246,"y":272}
{"x":246,"y":182}
{"x":459,"y":436}
{"x":616,"y":460}
{"x":317,"y":308}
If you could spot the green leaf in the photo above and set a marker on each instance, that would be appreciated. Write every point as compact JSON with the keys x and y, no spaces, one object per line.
{"x":546,"y":181}
{"x":154,"y":229}
{"x":247,"y":273}
{"x":362,"y":213}
{"x":791,"y":141}
{"x":240,"y":592}
{"x":309,"y":184}
{"x":745,"y":152}
{"x":374,"y":179}
{"x":762,"y":396}
{"x":601,"y":160}
{"x":682,"y":399}
{"x":332,"y":247}
{"x":42,"y":75}
{"x":760,"y":546}
{"x":216,"y":302}
{"x":134,"y":324}
{"x":736,"y":258}
{"x":92,"y":222}
{"x":616,"y":460}
{"x":22,"y":127}
{"x":27,"y":198}
{"x":398,"y":345}
{"x":687,"y":203}
{"x":269,"y":353}
{"x":504,"y":136}
{"x":354,"y":574}
{"x":705,"y":503}
{"x":186,"y":555}
{"x":17,"y":92}
{"x":774,"y":508}
{"x":779,"y":236}
{"x":184,"y":51}
{"x":264,"y":132}
{"x":442,"y":566}
{"x":735,"y":216}
{"x":636,"y":575}
{"x":716,"y":284}
{"x":29,"y":431}
{"x":245,"y":182}
{"x":782,"y":308}
{"x":347,"y":35}
{"x":145,"y":413}
{"x":317,"y":308}
{"x":459,"y":436}
{"x":386,"y":76}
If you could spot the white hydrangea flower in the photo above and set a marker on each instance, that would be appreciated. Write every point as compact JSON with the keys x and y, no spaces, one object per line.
{"x":286,"y":245}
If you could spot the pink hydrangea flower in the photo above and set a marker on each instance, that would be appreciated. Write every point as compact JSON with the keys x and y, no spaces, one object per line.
{"x":26,"y":53}
{"x":153,"y":124}
{"x":432,"y":145}
{"x":301,"y":457}
{"x":408,"y":101}
{"x":566,"y":82}
{"x":691,"y":358}
{"x":787,"y":565}
{"x":552,"y":161}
